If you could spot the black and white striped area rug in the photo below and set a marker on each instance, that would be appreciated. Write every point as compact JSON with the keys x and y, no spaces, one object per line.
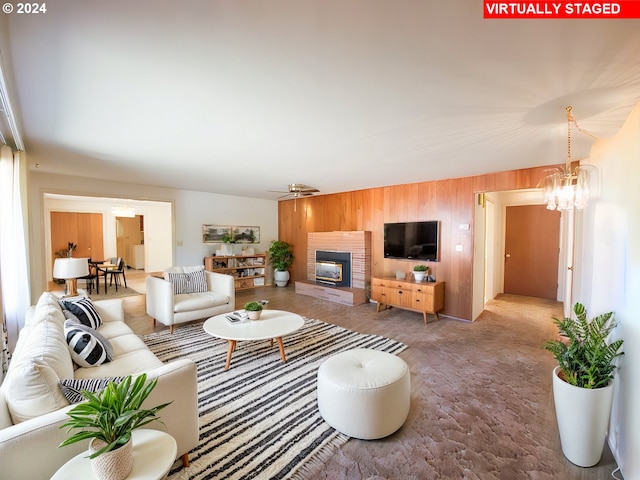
{"x":260,"y":418}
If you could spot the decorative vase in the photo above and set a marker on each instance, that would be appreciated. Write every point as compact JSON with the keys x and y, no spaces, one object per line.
{"x":583,"y":419}
{"x":254,"y":314}
{"x":419,"y":276}
{"x":281,"y":277}
{"x":112,"y":465}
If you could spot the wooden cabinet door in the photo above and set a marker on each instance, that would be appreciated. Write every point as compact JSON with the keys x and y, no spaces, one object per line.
{"x":405,"y":297}
{"x":424,"y":302}
{"x":90,"y":237}
{"x":64,"y":229}
{"x":83,"y":229}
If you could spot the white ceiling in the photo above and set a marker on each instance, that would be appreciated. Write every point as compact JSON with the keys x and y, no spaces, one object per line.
{"x":241,"y":97}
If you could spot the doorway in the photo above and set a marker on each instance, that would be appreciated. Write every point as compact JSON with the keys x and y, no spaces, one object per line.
{"x":155,"y":221}
{"x":489,"y":239}
{"x":130,"y":241}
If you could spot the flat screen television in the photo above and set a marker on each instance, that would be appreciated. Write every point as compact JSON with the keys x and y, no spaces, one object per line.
{"x":412,"y":240}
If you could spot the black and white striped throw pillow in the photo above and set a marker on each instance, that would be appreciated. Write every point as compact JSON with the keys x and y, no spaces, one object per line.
{"x":84,"y":310}
{"x":106,"y":344}
{"x":85,"y":347}
{"x":191,"y":282}
{"x":72,"y":388}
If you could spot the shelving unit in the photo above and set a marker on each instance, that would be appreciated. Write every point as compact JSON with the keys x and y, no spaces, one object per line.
{"x":248,"y":271}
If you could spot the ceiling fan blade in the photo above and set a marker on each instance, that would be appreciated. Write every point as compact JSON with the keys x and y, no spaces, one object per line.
{"x":296,"y":190}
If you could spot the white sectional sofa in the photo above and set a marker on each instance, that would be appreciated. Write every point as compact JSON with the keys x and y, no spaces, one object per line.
{"x":189,"y":293}
{"x":32,"y":407}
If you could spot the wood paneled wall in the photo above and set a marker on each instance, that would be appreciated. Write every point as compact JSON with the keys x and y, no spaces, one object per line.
{"x":450,"y":201}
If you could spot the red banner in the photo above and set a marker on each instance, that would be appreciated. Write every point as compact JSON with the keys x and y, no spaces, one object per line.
{"x":561,"y":9}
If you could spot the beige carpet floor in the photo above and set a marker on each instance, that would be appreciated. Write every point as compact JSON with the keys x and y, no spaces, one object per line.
{"x":481,"y":399}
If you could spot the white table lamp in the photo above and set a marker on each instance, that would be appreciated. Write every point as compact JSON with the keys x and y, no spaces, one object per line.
{"x":70,"y":269}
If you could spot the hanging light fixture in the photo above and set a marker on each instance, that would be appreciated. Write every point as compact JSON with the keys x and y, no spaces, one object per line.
{"x":123,"y":211}
{"x":565,"y":188}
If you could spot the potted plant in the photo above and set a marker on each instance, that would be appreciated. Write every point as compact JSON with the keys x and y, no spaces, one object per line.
{"x":254,"y":309}
{"x":419,"y":272}
{"x":227,"y":244}
{"x":107,"y":419}
{"x":583,"y":383}
{"x":281,"y":254}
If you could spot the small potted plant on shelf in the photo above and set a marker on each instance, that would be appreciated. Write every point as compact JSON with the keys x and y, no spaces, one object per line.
{"x":281,"y":254}
{"x":254,"y":310}
{"x":108,"y":419}
{"x":419,"y":272}
{"x":583,"y":383}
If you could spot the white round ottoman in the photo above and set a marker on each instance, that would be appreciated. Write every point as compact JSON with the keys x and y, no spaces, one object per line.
{"x":364,"y":393}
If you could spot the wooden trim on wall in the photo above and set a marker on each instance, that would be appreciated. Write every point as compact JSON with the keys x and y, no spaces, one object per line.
{"x":451,"y":201}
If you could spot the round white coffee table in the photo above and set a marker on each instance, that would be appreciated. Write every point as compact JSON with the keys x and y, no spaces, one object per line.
{"x":153,"y":454}
{"x":273,"y":324}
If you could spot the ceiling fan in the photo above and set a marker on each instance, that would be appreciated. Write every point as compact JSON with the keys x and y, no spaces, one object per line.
{"x":297,"y":190}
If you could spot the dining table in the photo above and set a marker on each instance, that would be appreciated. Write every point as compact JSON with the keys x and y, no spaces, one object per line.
{"x":103,"y":267}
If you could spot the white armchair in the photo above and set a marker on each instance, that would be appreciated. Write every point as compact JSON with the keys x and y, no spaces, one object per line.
{"x":170,"y":308}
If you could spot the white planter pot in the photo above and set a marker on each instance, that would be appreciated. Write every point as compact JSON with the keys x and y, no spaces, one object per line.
{"x":281,"y":277}
{"x":583,"y":419}
{"x":419,"y":276}
{"x":254,"y":314}
{"x":113,"y":465}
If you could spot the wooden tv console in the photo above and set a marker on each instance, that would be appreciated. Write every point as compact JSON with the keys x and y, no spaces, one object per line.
{"x":423,"y":297}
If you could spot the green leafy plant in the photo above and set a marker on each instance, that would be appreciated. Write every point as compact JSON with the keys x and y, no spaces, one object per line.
{"x":112,"y":414}
{"x":253,"y":307}
{"x":281,"y":254}
{"x":420,"y":268}
{"x":585,"y":358}
{"x":66,"y":252}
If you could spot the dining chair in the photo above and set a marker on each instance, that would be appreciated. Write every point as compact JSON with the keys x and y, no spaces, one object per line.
{"x":92,"y":278}
{"x":116,"y":273}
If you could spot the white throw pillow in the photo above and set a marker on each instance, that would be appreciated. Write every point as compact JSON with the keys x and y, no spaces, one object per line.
{"x":33,"y":391}
{"x":47,"y":308}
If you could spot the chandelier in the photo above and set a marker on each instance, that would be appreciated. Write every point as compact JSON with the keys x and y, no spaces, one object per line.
{"x":565,"y":188}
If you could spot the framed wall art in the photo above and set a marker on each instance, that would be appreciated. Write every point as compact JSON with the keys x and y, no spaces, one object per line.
{"x":215,"y":233}
{"x":242,"y":234}
{"x":230,"y":234}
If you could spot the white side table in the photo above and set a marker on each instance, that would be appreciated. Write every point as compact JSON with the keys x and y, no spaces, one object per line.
{"x":153,"y":454}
